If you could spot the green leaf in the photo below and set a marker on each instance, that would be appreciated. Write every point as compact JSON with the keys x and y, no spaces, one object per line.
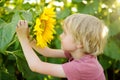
{"x":22,"y":64}
{"x":2,"y":2}
{"x":26,"y":6}
{"x":27,"y":16}
{"x":2,"y":23}
{"x":114,"y":28}
{"x":63,"y":14}
{"x":90,"y":8}
{"x":80,"y":7}
{"x":57,"y":43}
{"x":7,"y":32}
{"x":105,"y":61}
{"x":1,"y":60}
{"x":7,"y":76}
{"x":11,"y":67}
{"x":19,"y":2}
{"x":77,"y":1}
{"x":112,"y":50}
{"x":24,"y":68}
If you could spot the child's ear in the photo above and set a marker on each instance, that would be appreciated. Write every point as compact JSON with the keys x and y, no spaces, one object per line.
{"x":79,"y":45}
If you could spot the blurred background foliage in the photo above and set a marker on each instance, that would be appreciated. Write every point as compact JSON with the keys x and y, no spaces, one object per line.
{"x":13,"y":65}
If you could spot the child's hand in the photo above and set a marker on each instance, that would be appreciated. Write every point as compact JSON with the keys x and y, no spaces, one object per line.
{"x":22,"y":29}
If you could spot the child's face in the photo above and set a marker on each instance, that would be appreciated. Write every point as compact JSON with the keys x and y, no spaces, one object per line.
{"x":67,"y":41}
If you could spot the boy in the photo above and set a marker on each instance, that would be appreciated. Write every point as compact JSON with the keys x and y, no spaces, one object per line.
{"x":83,"y":38}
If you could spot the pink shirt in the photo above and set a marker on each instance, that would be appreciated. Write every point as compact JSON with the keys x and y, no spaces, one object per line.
{"x":86,"y":68}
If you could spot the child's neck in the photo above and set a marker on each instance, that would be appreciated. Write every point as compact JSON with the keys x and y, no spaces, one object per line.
{"x":77,"y":54}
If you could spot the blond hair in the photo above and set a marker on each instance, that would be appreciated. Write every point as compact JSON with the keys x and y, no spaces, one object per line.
{"x":89,"y":30}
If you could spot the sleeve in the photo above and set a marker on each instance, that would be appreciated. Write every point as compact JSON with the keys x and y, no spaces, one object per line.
{"x":88,"y":69}
{"x":67,"y":54}
{"x":71,"y":70}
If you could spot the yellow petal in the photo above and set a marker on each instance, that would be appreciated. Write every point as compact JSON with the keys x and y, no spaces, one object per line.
{"x":44,"y":28}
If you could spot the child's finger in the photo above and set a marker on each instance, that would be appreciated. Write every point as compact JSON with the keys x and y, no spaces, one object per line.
{"x":25,"y":23}
{"x":19,"y":24}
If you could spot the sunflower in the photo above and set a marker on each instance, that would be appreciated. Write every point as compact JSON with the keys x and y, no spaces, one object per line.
{"x":44,"y":27}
